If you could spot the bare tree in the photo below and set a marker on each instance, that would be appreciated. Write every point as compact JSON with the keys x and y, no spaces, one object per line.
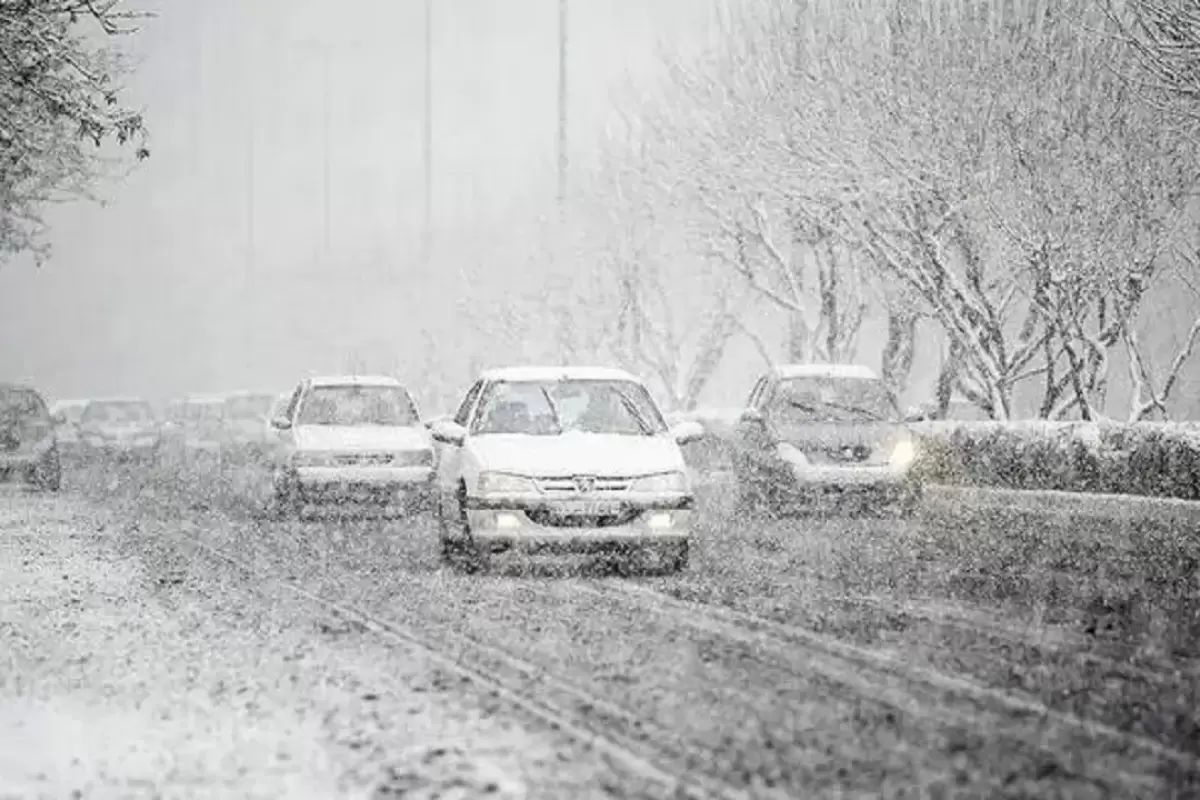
{"x":61,"y":97}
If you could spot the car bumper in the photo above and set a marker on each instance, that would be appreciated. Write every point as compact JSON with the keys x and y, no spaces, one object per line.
{"x":398,"y":485}
{"x":535,"y":525}
{"x":878,"y":483}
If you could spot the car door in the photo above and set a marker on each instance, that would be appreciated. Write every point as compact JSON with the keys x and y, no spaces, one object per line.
{"x":449,"y":456}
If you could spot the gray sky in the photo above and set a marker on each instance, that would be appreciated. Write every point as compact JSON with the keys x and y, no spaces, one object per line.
{"x":155,"y":293}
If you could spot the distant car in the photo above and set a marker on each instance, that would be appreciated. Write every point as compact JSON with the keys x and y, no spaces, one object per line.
{"x":28,"y":449}
{"x":66,"y":414}
{"x":815,"y":432}
{"x":196,"y":430}
{"x":121,"y":429}
{"x":562,"y":459}
{"x":352,"y":440}
{"x":245,"y":418}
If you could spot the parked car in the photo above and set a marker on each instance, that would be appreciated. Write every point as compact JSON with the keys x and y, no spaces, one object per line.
{"x":566,"y":460}
{"x":66,"y":414}
{"x":195,"y":431}
{"x":245,"y":418}
{"x":815,"y":432}
{"x":120,"y":429}
{"x":352,"y":440}
{"x":28,"y":449}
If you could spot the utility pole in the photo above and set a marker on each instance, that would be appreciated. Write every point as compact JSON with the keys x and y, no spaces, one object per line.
{"x":562,"y":106}
{"x":326,"y":154}
{"x":427,"y":138}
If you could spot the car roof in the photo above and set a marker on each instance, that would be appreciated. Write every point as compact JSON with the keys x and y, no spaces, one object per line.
{"x":787,"y":371}
{"x":123,"y":399}
{"x":204,"y":399}
{"x":543,"y":373}
{"x":355,"y":380}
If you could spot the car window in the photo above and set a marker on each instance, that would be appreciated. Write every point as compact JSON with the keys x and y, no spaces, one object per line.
{"x":829,"y":399}
{"x":357,"y":405}
{"x":249,"y":407}
{"x":541,"y":408}
{"x":22,"y":405}
{"x":463,"y":415}
{"x":117,"y":412}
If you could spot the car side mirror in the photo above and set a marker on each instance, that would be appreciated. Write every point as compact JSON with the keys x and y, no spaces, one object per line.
{"x":687,"y":432}
{"x":281,"y":423}
{"x":448,"y":432}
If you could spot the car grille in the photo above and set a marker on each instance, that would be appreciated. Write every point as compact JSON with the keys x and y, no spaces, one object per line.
{"x":854,"y":454}
{"x":556,"y":519}
{"x":415,"y":458}
{"x":584,"y":484}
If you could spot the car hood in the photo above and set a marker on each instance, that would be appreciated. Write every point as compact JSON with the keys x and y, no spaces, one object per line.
{"x":122,"y":430}
{"x":575,"y":453}
{"x":835,"y":435}
{"x":366,"y":439}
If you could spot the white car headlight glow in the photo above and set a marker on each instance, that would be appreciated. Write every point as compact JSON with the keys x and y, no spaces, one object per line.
{"x":505,"y":483}
{"x":904,"y":454}
{"x":662,"y":482}
{"x":790,"y":453}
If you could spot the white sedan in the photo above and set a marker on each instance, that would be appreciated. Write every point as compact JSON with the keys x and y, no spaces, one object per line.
{"x":562,"y":459}
{"x":352,"y":439}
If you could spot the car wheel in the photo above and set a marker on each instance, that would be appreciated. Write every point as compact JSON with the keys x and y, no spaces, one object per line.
{"x":677,"y":561}
{"x":459,"y":549}
{"x":47,"y":475}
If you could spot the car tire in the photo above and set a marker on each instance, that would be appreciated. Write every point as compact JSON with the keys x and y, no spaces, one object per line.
{"x":678,"y":560}
{"x":47,"y":476}
{"x":459,"y":549}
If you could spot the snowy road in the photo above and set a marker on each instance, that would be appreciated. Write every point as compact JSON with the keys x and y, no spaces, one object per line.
{"x":797,"y":658}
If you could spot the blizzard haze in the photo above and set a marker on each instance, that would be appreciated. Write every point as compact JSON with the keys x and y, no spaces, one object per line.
{"x":156,"y":293}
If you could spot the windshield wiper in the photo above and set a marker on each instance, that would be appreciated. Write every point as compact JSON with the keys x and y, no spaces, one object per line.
{"x":635,"y":412}
{"x":811,"y":409}
{"x":553,"y":409}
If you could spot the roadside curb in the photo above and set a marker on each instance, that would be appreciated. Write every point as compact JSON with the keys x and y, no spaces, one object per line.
{"x":1117,"y":507}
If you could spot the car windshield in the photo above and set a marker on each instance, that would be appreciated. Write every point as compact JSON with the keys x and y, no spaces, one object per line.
{"x":117,"y":412}
{"x":357,"y":405}
{"x":20,"y":405}
{"x":249,"y":407}
{"x":548,"y":408}
{"x":203,"y":412}
{"x":840,"y":399}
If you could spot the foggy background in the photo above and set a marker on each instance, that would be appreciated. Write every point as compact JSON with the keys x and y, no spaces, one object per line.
{"x":158,"y":293}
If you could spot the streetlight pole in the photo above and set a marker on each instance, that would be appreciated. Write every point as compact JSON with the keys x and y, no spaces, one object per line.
{"x":326,"y":153}
{"x":427,"y":138}
{"x":562,"y":105}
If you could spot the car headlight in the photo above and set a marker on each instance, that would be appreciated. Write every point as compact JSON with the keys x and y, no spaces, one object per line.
{"x":904,"y":453}
{"x":662,"y":482}
{"x":505,"y":483}
{"x":790,"y":453}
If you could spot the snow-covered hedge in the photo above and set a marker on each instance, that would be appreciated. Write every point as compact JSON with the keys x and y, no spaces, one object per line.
{"x":1151,"y":459}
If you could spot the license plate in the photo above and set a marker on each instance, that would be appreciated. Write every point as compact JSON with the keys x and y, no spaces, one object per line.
{"x":590,"y":508}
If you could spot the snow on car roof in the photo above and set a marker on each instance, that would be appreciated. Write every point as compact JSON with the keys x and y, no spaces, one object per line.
{"x":786,"y":371}
{"x":354,"y":380}
{"x":123,"y":399}
{"x":519,"y":374}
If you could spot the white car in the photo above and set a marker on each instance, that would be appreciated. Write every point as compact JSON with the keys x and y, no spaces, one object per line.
{"x":120,"y":428}
{"x":349,"y":439}
{"x":566,"y":459}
